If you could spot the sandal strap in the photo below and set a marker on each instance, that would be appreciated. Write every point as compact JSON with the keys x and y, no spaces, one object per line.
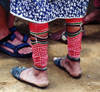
{"x":16,"y":48}
{"x":20,"y":47}
{"x":12,"y":37}
{"x":17,"y":71}
{"x":73,"y":59}
{"x":2,"y":41}
{"x":13,"y":29}
{"x":9,"y":45}
{"x":25,"y":38}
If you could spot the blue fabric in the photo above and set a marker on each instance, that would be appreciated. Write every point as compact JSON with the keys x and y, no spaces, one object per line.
{"x":43,"y":11}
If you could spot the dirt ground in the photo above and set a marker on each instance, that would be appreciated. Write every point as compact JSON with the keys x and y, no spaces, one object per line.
{"x":60,"y":81}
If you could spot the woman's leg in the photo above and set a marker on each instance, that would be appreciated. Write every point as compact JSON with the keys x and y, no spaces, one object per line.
{"x":10,"y":23}
{"x":93,"y":17}
{"x":38,"y":74}
{"x":74,"y":35}
{"x":4,"y":31}
{"x":3,"y":24}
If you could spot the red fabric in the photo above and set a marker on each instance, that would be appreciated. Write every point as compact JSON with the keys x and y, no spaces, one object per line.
{"x":75,"y":20}
{"x":74,"y":43}
{"x":38,"y":28}
{"x":74,"y":46}
{"x":97,"y":3}
{"x":39,"y":55}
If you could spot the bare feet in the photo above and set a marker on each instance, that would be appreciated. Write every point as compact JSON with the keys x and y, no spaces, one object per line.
{"x":61,"y":35}
{"x":72,"y":67}
{"x":57,"y":35}
{"x":10,"y":24}
{"x":20,"y":37}
{"x":34,"y":76}
{"x":25,"y":50}
{"x":6,"y":23}
{"x":93,"y":17}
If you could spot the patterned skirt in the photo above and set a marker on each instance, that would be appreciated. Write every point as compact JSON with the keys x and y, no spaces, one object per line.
{"x":43,"y":11}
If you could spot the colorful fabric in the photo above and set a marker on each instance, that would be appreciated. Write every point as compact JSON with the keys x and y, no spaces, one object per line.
{"x":38,"y":28}
{"x":43,"y":11}
{"x":39,"y":45}
{"x":97,"y":3}
{"x":74,"y":20}
{"x":74,"y":41}
{"x":39,"y":55}
{"x":74,"y":45}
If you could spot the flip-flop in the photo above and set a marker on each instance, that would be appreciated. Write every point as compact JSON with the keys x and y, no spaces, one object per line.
{"x":57,"y":62}
{"x":16,"y":71}
{"x":15,"y":48}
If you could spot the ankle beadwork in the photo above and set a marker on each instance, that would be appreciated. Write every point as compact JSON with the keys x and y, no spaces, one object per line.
{"x":73,"y":59}
{"x":41,"y":69}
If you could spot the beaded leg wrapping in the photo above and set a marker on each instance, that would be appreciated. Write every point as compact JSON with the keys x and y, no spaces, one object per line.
{"x":39,"y":45}
{"x":74,"y":40}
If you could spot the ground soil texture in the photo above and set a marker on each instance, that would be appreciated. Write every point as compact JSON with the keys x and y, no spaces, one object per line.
{"x":60,"y":81}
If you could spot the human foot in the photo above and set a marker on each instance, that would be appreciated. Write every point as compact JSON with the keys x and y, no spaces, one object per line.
{"x":23,"y":38}
{"x":62,"y":35}
{"x":72,"y":67}
{"x":12,"y":28}
{"x":31,"y":75}
{"x":57,"y":35}
{"x":14,"y":47}
{"x":93,"y":17}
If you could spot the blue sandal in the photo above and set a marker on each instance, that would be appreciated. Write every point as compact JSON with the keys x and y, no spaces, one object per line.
{"x":57,"y":62}
{"x":16,"y":71}
{"x":25,"y":37}
{"x":15,"y":48}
